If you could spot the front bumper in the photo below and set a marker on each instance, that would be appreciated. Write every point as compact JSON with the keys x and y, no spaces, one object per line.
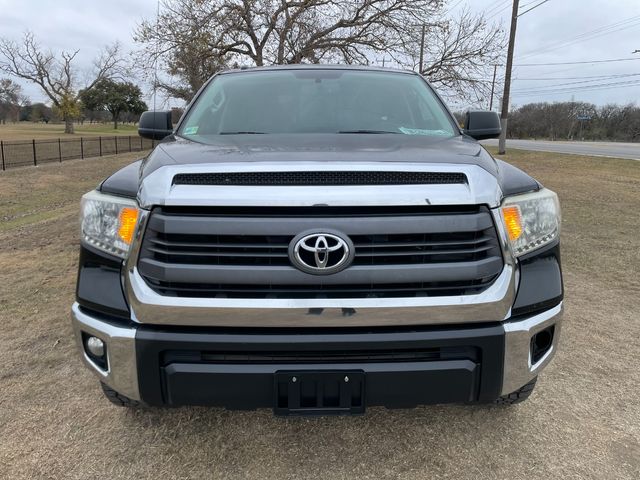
{"x":167,"y":365}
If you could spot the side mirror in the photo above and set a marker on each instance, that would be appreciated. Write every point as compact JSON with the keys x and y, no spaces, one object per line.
{"x":481,"y":125}
{"x":155,"y":125}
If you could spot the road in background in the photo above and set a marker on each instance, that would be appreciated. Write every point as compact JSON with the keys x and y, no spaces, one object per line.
{"x":598,"y":149}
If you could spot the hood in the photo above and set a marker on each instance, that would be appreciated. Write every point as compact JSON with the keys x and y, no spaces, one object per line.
{"x":354,"y":149}
{"x":348,"y":148}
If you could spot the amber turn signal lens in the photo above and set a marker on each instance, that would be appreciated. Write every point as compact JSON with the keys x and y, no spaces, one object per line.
{"x":127,"y":224}
{"x":512,"y":221}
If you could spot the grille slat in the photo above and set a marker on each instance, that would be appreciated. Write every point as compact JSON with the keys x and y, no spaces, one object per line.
{"x":181,"y":253}
{"x":201,"y":244}
{"x":424,"y":244}
{"x":265,"y":249}
{"x":427,"y":251}
{"x":305,"y":178}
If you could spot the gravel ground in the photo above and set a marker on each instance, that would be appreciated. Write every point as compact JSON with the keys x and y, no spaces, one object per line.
{"x":583,"y":420}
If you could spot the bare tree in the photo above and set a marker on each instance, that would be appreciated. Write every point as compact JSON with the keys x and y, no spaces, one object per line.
{"x":11,"y":99}
{"x":576,"y":120}
{"x":192,"y":39}
{"x":10,"y":91}
{"x":55,"y":75}
{"x":459,"y":53}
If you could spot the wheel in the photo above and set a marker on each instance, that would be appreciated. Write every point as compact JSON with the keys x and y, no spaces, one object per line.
{"x":519,"y":395}
{"x":117,"y":398}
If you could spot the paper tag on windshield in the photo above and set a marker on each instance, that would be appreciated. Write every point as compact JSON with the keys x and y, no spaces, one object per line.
{"x":419,"y":131}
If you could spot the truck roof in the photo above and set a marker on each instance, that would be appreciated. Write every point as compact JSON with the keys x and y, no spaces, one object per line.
{"x":304,"y":66}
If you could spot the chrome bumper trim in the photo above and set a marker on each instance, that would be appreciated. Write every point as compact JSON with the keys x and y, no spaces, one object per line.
{"x":150,"y":307}
{"x":518,"y":369}
{"x":122,"y":373}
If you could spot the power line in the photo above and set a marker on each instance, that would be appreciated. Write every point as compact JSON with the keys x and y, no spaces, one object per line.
{"x":501,"y":8}
{"x":576,"y":63}
{"x":450,"y":9}
{"x":533,"y":8}
{"x":601,"y":77}
{"x":491,"y":6}
{"x":527,"y":4}
{"x":499,"y":12}
{"x":563,"y":87}
{"x":591,"y":34}
{"x":601,"y":86}
{"x":586,"y":35}
{"x":585,"y":81}
{"x":495,"y":6}
{"x":545,"y":79}
{"x":572,"y":92}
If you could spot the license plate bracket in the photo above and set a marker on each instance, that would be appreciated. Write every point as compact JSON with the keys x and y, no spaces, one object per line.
{"x":319,"y":392}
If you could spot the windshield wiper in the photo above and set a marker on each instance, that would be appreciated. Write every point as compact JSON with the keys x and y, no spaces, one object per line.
{"x":366,"y":131}
{"x":242,"y":133}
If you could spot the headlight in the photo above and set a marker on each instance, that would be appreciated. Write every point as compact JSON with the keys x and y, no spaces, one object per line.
{"x":532,"y":220}
{"x":108,"y":222}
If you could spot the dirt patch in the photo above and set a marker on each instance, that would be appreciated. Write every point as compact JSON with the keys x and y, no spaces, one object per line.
{"x":581,"y":422}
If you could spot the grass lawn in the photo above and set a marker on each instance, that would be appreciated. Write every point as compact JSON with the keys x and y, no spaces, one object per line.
{"x":582,"y":421}
{"x":40,"y":131}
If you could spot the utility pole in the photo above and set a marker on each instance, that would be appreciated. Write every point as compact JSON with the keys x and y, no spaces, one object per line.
{"x":507,"y":77}
{"x":424,"y":32}
{"x":493,"y":86}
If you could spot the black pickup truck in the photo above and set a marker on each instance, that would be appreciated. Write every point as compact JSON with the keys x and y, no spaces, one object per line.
{"x":317,"y":240}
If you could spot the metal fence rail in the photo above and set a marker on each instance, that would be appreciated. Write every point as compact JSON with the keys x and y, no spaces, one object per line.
{"x":36,"y":152}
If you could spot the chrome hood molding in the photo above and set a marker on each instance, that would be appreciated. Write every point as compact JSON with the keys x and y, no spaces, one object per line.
{"x":157,"y":188}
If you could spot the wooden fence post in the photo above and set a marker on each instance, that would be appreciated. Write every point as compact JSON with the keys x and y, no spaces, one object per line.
{"x":115,"y":140}
{"x":81,"y":148}
{"x":35,"y":161}
{"x":100,"y":141}
{"x":2,"y":154}
{"x":129,"y":142}
{"x":60,"y":150}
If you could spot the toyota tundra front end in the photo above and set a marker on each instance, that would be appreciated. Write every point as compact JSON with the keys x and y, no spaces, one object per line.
{"x":318,"y":240}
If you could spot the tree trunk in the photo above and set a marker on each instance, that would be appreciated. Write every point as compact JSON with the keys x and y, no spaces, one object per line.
{"x":68,"y":125}
{"x":281,"y":45}
{"x":259,"y":58}
{"x":115,"y":122}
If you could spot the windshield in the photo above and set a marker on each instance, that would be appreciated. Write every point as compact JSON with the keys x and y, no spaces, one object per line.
{"x":316,"y":101}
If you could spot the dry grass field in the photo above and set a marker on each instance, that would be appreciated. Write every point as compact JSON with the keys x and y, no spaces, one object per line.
{"x":40,"y":131}
{"x":583,"y":420}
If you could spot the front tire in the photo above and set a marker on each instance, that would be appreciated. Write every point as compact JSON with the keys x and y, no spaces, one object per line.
{"x":117,"y":398}
{"x":519,"y":395}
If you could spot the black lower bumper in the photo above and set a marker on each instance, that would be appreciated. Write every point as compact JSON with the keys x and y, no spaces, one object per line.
{"x":304,"y":373}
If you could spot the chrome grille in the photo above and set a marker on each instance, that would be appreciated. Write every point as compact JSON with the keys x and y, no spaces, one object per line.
{"x":243,"y":253}
{"x":376,"y":249}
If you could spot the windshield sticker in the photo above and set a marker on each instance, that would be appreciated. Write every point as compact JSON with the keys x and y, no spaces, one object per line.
{"x":419,"y":131}
{"x":190,"y":130}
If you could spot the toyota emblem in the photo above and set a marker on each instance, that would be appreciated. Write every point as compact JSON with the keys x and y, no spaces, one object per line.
{"x":321,"y":252}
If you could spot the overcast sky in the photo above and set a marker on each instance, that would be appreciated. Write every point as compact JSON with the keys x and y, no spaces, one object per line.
{"x":559,"y":31}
